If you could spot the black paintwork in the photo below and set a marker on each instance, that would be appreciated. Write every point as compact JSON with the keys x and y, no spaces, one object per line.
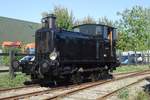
{"x":89,"y":46}
{"x":75,"y":47}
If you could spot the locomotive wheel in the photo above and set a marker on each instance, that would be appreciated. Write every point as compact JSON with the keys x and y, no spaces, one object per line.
{"x":105,"y":75}
{"x":33,"y":77}
{"x":34,"y":80}
{"x":94,"y":77}
{"x":77,"y":78}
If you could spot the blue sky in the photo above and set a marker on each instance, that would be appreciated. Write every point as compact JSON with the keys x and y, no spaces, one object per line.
{"x":31,"y":10}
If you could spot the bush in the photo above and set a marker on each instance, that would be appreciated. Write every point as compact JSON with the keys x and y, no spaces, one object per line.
{"x":123,"y":94}
{"x":142,"y":96}
{"x":7,"y":82}
{"x":6,"y":59}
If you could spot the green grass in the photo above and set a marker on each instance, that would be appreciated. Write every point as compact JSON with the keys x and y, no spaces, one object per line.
{"x":131,"y":68}
{"x":140,"y":95}
{"x":123,"y":94}
{"x":7,"y":82}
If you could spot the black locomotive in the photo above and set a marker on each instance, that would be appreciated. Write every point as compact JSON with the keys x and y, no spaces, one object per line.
{"x":88,"y":52}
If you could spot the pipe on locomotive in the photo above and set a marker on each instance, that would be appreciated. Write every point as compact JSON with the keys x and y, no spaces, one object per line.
{"x":48,"y":21}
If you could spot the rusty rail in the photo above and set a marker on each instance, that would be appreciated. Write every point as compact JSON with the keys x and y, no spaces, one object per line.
{"x":17,"y":88}
{"x":128,"y":72}
{"x":75,"y":88}
{"x":115,"y":91}
{"x":94,"y":84}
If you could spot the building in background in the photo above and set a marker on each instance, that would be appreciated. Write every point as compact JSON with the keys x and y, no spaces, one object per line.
{"x":30,"y":48}
{"x":16,"y":44}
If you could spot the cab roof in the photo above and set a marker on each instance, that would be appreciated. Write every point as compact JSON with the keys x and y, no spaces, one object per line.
{"x":94,"y":25}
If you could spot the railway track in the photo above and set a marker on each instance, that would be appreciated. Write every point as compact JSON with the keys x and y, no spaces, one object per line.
{"x":61,"y":92}
{"x":125,"y":73}
{"x":117,"y":90}
{"x":93,"y":85}
{"x":117,"y":75}
{"x":18,"y":88}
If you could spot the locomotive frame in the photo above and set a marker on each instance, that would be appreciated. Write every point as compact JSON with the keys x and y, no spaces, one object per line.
{"x":86,"y":52}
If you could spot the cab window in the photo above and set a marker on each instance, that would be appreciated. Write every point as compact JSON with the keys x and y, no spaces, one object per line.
{"x":114,"y":34}
{"x":99,"y":30}
{"x":76,"y":30}
{"x":105,"y":32}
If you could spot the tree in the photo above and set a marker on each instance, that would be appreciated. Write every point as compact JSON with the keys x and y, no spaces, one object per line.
{"x":105,"y":21}
{"x":64,"y":17}
{"x":148,"y":27}
{"x":86,"y":20}
{"x":133,"y":27}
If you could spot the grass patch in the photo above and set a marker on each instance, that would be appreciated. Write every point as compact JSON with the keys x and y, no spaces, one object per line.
{"x":123,"y":94}
{"x":142,"y":96}
{"x":131,"y":68}
{"x":7,"y":82}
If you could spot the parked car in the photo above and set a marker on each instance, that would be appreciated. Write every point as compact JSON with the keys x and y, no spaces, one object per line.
{"x":131,"y":57}
{"x":24,"y":63}
{"x":27,"y":59}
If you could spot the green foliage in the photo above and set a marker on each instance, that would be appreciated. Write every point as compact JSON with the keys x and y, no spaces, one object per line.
{"x":7,"y":82}
{"x":142,"y":96}
{"x":131,"y":68}
{"x":123,"y":94}
{"x":86,"y":20}
{"x":133,"y":28}
{"x":148,"y":40}
{"x":6,"y":59}
{"x":64,"y":17}
{"x":105,"y":21}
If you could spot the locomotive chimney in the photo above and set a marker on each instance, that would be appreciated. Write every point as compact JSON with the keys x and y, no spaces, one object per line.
{"x":48,"y":21}
{"x":51,"y":20}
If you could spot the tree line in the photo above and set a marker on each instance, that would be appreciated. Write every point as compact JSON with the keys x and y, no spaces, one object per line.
{"x":133,"y":26}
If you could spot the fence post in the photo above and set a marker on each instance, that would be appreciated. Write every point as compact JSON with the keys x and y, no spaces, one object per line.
{"x":143,"y":57}
{"x":11,"y":69}
{"x":128,"y":59}
{"x":120,"y":56}
{"x":148,"y":55}
{"x":135,"y":58}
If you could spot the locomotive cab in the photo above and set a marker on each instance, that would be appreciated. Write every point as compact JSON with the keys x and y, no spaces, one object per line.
{"x":106,"y":33}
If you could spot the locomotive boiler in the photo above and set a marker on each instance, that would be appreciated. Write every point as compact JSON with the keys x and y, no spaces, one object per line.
{"x":88,"y":52}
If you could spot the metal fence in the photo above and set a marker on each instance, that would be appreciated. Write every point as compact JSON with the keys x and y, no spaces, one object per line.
{"x":124,"y":57}
{"x":134,"y":58}
{"x":11,"y":57}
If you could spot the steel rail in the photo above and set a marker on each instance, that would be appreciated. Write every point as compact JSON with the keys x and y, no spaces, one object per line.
{"x":95,"y":84}
{"x":34,"y":93}
{"x":117,"y":90}
{"x":75,"y":88}
{"x":129,"y":72}
{"x":18,"y":88}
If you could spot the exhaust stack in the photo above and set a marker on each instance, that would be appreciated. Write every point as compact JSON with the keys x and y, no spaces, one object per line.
{"x":48,"y":21}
